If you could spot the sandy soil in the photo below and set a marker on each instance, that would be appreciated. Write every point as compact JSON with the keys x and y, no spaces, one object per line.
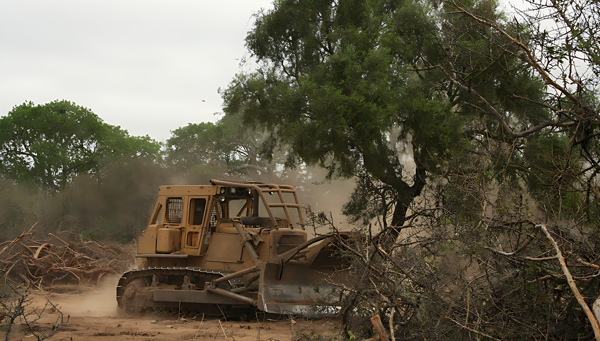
{"x":93,"y":315}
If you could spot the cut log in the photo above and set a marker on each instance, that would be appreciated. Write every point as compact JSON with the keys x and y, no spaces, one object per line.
{"x":379,"y":329}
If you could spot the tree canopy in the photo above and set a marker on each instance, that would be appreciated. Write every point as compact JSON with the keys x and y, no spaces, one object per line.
{"x":48,"y":145}
{"x":345,"y":83}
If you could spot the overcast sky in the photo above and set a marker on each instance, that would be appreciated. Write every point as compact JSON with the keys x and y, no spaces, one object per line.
{"x":148,"y":66}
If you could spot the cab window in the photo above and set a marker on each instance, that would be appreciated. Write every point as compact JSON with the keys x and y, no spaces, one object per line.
{"x":197,"y":208}
{"x":174,"y":211}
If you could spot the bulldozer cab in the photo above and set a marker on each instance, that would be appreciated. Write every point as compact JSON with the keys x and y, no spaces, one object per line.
{"x":186,"y":217}
{"x":258,"y":204}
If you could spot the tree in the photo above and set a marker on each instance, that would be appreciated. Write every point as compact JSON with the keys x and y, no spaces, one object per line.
{"x":350,"y":86}
{"x":226,"y":144}
{"x":47,"y":145}
{"x":225,"y":147}
{"x":326,"y":89}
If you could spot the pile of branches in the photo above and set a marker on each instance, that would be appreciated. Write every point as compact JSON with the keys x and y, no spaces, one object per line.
{"x":495,"y":280}
{"x":51,"y":263}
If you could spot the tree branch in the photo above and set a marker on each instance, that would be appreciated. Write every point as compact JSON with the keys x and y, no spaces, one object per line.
{"x":529,"y":58}
{"x":572,"y":285}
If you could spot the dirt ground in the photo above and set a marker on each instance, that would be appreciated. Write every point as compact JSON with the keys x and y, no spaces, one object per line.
{"x":92,"y":314}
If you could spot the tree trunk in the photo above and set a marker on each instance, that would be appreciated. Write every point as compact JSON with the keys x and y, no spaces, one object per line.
{"x":406,"y":194}
{"x":383,"y":169}
{"x":399,"y":216}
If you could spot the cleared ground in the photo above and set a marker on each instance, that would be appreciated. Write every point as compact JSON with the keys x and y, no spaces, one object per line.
{"x":91,"y":314}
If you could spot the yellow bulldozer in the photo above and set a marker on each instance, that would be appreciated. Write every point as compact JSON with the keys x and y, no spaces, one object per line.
{"x":228,"y":246}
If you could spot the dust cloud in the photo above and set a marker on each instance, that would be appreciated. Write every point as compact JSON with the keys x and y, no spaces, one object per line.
{"x":329,"y":197}
{"x":317,"y":194}
{"x":94,"y":302}
{"x":114,"y":206}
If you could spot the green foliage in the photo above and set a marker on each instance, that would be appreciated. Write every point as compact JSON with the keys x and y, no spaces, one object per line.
{"x":332,"y":87}
{"x":369,"y":200}
{"x":225,"y":146}
{"x":554,"y":173}
{"x":46,"y":146}
{"x":352,"y":84}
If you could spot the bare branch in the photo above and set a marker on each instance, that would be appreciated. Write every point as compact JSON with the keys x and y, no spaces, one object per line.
{"x":572,"y":285}
{"x":474,"y":331}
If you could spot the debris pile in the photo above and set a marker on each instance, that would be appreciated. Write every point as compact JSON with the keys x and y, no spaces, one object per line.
{"x":53,"y":263}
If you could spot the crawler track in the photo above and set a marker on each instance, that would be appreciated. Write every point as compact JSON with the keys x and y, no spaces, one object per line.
{"x":172,"y":277}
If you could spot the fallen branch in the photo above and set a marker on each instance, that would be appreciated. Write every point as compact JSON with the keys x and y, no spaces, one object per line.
{"x":223,"y":330}
{"x":37,"y":253}
{"x":531,"y":237}
{"x":593,"y":266}
{"x":35,"y":262}
{"x":15,"y":241}
{"x":572,"y":285}
{"x":378,"y":326}
{"x":392,"y":324}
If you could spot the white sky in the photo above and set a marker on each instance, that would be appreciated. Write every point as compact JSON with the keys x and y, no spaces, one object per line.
{"x":144,"y":65}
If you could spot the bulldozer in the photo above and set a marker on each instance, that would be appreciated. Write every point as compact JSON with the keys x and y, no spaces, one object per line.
{"x":231,"y":246}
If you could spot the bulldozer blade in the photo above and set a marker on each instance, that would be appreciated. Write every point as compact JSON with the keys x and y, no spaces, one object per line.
{"x":300,"y":291}
{"x":311,"y":287}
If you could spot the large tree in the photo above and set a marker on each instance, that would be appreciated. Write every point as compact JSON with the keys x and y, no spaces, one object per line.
{"x":353,"y":86}
{"x":48,"y":145}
